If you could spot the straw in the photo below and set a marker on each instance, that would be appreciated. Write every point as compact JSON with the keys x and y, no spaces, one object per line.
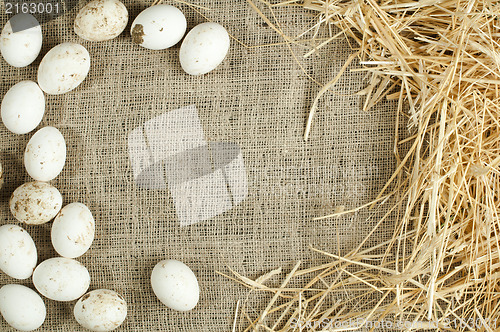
{"x":441,"y":61}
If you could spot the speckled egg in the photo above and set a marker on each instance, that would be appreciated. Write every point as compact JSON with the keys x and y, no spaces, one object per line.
{"x":158,"y":27}
{"x":22,"y":47}
{"x":73,"y":230}
{"x":18,"y":255}
{"x":35,"y":202}
{"x":204,"y":48}
{"x":101,"y":20}
{"x":21,"y":307}
{"x":101,"y":310}
{"x":175,"y":285}
{"x":61,"y":279}
{"x":63,"y":68}
{"x":23,"y":107}
{"x":45,"y":154}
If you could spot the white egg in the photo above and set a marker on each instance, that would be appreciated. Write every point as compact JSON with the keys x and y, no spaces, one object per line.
{"x":61,"y":279}
{"x":21,"y":48}
{"x":158,"y":27}
{"x":175,"y":285}
{"x":101,"y":20}
{"x":35,"y":203}
{"x":73,"y":230}
{"x":23,"y":107}
{"x":18,"y":255}
{"x":204,"y":48}
{"x":101,"y":310}
{"x":45,"y":154}
{"x":63,"y":68}
{"x":22,"y":307}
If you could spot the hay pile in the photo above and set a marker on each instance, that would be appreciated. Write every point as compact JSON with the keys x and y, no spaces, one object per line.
{"x":440,"y":60}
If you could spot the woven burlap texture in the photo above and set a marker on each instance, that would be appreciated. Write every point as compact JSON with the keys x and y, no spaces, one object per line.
{"x":258,"y":98}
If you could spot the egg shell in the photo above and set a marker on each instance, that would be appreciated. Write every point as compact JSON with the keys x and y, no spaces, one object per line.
{"x":45,"y":154}
{"x":101,"y":310}
{"x":101,"y":20}
{"x":204,"y":48}
{"x":21,"y":48}
{"x":23,"y":107}
{"x":73,"y":230}
{"x":35,"y":202}
{"x":18,"y":255}
{"x":63,"y":68}
{"x":61,"y":279}
{"x":158,"y":27}
{"x":175,"y":285}
{"x":22,"y":307}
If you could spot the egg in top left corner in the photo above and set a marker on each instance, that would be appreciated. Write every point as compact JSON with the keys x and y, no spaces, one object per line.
{"x":21,"y":40}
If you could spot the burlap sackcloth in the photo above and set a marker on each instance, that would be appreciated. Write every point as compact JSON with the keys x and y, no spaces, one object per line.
{"x":258,"y":98}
